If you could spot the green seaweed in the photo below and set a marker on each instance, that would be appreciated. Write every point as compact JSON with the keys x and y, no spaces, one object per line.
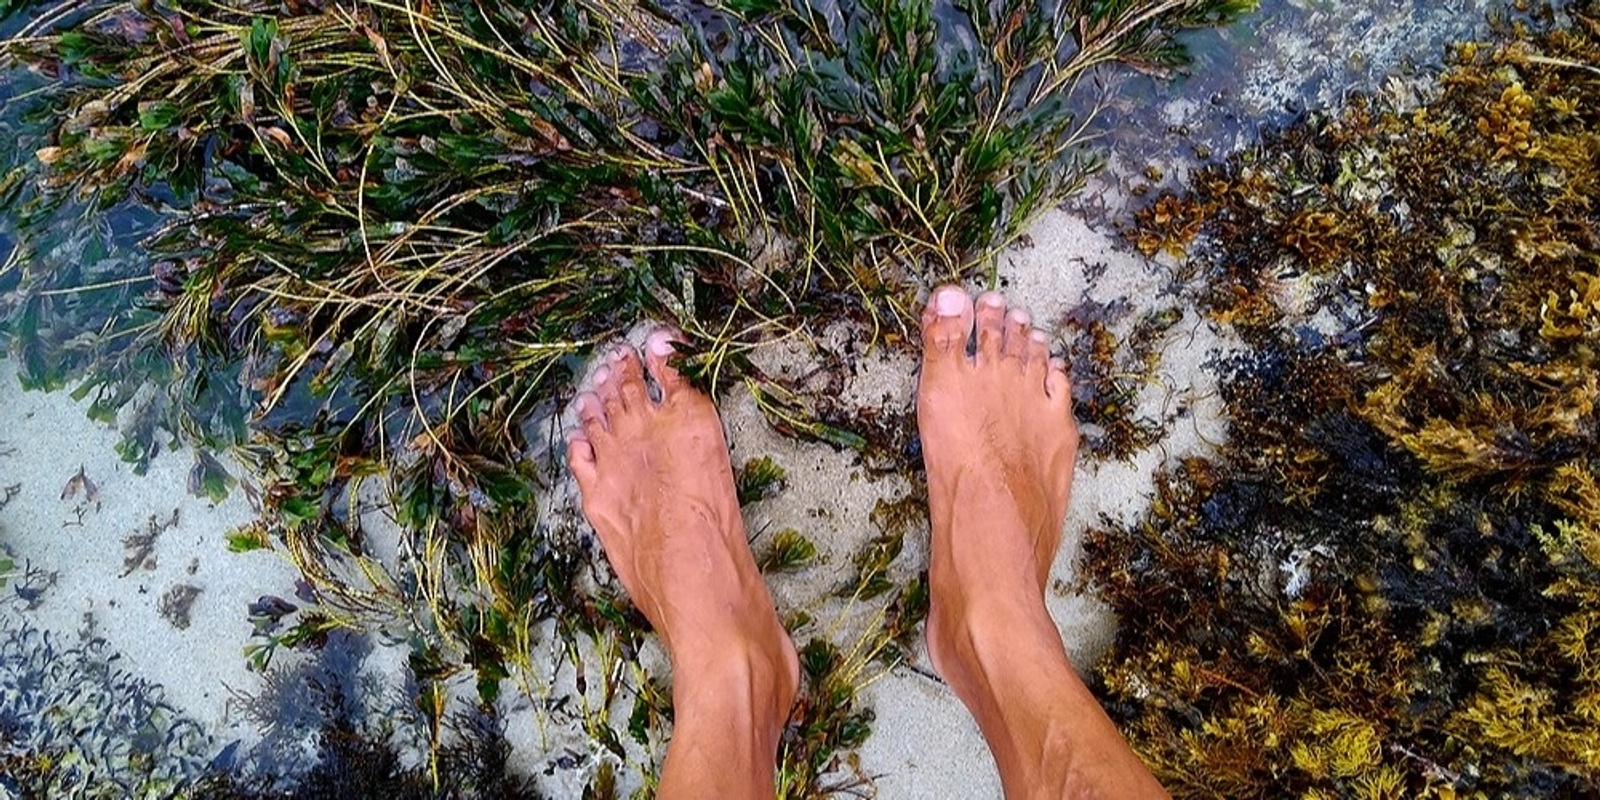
{"x":758,"y":479}
{"x":788,"y":550}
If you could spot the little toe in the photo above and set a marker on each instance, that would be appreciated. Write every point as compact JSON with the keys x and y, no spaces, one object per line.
{"x":1057,"y":384}
{"x":1019,"y":325}
{"x":991,"y":325}
{"x":580,"y":458}
{"x":660,"y":346}
{"x":946,"y":324}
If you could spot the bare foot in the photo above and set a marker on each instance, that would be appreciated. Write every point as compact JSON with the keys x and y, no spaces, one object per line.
{"x":999,"y":441}
{"x":658,"y":488}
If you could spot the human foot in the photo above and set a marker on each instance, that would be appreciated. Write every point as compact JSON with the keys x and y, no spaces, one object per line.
{"x":999,"y":442}
{"x":658,"y":488}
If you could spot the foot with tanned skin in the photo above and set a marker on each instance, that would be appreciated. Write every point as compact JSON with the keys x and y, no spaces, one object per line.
{"x":658,"y":488}
{"x":999,"y":441}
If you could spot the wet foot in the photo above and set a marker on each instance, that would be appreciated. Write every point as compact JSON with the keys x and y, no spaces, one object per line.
{"x":999,"y":441}
{"x":658,"y":488}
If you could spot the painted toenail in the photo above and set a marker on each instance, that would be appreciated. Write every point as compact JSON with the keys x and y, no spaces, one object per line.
{"x":992,"y":300}
{"x":617,"y":355}
{"x":949,"y":303}
{"x":661,"y":345}
{"x":1021,"y":317}
{"x":1040,"y":337}
{"x":602,"y":375}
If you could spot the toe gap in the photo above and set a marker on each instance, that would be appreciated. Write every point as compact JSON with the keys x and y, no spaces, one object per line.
{"x":971,"y":348}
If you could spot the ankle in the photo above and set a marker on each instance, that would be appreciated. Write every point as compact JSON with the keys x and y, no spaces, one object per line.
{"x":999,"y":646}
{"x":761,"y":672}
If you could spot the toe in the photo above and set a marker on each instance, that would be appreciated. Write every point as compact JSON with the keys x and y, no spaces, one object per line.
{"x":1038,"y":350}
{"x":1057,"y":384}
{"x":946,"y":324}
{"x":580,"y":459}
{"x":628,"y":374}
{"x":603,"y":383}
{"x":660,"y":346}
{"x":591,"y":415}
{"x":1018,"y":328}
{"x":991,"y":325}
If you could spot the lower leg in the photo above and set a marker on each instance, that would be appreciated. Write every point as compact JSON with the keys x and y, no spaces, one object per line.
{"x":658,"y":488}
{"x":729,"y":711}
{"x":1048,"y":734}
{"x":1000,"y":442}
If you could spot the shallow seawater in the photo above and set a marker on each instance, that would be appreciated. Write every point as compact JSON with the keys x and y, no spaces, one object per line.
{"x":1292,"y":58}
{"x":122,"y":582}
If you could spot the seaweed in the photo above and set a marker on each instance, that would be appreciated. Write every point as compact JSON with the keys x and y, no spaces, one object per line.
{"x":363,"y":741}
{"x":788,"y":550}
{"x":1385,"y":582}
{"x":177,"y":602}
{"x":758,"y":479}
{"x":1108,"y":374}
{"x":140,"y":546}
{"x":74,"y":723}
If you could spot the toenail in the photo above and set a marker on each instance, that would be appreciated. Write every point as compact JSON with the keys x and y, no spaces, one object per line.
{"x":1020,"y":317}
{"x":661,"y":345}
{"x":1040,"y":337}
{"x":949,"y":303}
{"x":616,"y":356}
{"x":992,"y":300}
{"x":602,"y":375}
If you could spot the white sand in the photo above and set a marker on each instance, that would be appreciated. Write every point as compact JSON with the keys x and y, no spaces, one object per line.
{"x":47,"y":439}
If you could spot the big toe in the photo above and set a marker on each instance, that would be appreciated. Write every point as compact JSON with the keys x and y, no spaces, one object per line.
{"x":946,"y":324}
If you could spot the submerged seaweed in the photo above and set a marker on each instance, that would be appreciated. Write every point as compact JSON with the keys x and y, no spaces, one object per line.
{"x":74,"y":723}
{"x":1388,"y":582}
{"x":331,"y":731}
